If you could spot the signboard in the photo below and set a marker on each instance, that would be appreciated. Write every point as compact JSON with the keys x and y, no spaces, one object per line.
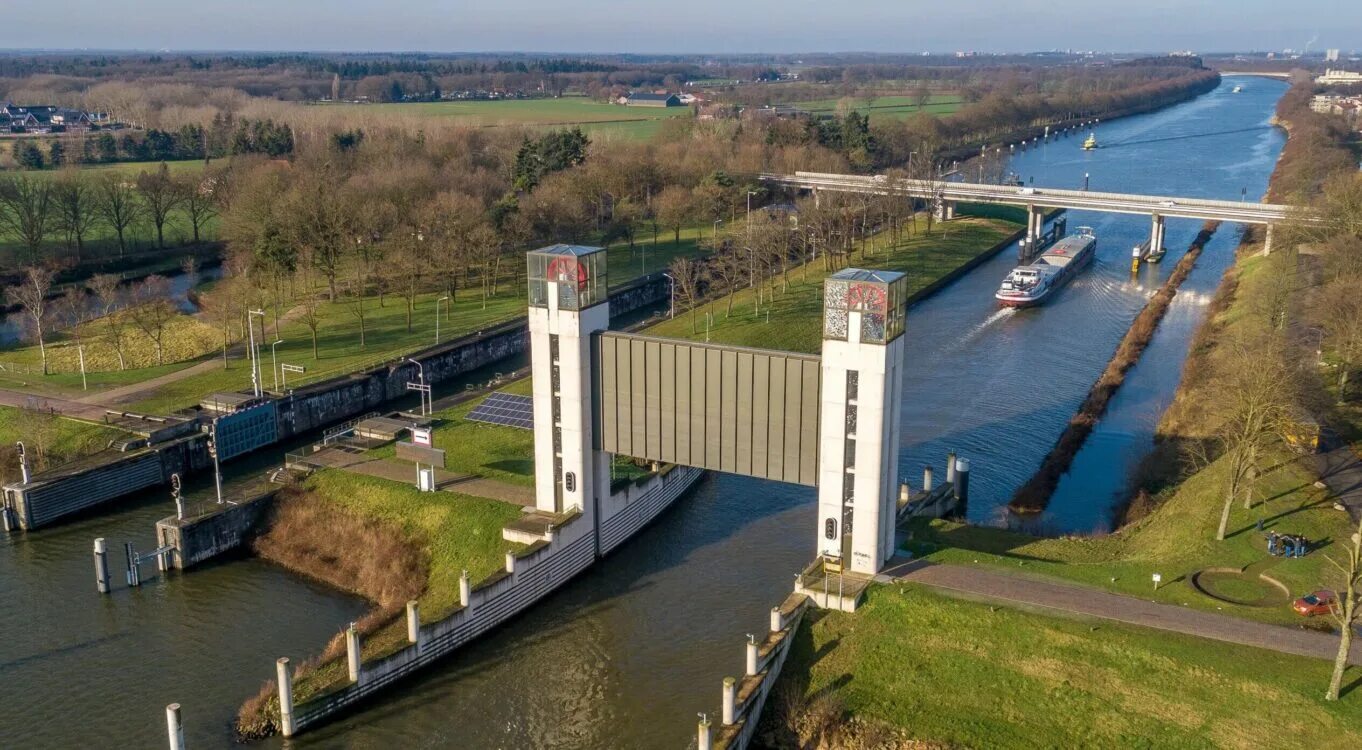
{"x":421,"y":436}
{"x":420,"y":454}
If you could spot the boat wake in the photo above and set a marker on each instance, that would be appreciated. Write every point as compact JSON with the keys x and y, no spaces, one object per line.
{"x":1002,"y":313}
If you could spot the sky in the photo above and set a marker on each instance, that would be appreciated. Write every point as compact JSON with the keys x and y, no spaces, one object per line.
{"x":700,"y":26}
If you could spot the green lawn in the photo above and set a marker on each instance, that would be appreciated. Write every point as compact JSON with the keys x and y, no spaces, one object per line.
{"x":795,"y":315}
{"x":897,"y":107}
{"x":49,"y":440}
{"x":595,"y":118}
{"x":1175,"y":541}
{"x":966,"y":674}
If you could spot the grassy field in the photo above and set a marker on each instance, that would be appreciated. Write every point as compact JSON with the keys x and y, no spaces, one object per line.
{"x":184,"y":338}
{"x":595,"y":118}
{"x":795,"y":315}
{"x":964,"y":674}
{"x":897,"y":107}
{"x":49,"y":440}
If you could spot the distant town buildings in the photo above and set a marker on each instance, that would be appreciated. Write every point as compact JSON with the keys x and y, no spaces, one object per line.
{"x":1333,"y":77}
{"x":16,"y":119}
{"x":1334,"y":104}
{"x":1331,"y":56}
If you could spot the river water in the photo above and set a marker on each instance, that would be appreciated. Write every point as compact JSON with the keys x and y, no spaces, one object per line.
{"x":624,"y":656}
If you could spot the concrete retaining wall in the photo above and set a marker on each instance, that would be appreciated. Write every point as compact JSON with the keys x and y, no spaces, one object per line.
{"x":753,"y":689}
{"x":202,"y":538}
{"x":627,"y":512}
{"x":75,"y":488}
{"x":538,"y":570}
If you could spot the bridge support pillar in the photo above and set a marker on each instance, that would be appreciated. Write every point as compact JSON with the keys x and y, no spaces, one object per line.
{"x":567,"y":304}
{"x":1156,"y":235}
{"x":1035,"y":224}
{"x":948,"y":211}
{"x":861,"y":389}
{"x":1267,"y":240}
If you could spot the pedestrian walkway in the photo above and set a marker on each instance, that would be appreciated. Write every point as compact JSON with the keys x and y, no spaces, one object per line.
{"x":358,"y":460}
{"x":999,"y":586}
{"x":1341,"y":470}
{"x":88,"y":411}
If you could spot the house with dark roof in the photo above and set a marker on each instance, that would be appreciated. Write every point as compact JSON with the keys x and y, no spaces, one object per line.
{"x":642,"y":99}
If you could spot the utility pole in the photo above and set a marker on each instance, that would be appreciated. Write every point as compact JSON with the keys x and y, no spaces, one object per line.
{"x":437,"y":317}
{"x":255,"y":352}
{"x":213,"y":451}
{"x":274,"y":364}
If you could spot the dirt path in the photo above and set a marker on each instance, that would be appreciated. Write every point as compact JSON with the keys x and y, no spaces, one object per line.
{"x":999,"y":586}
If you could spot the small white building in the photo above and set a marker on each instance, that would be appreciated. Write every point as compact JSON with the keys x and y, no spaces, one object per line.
{"x":1333,"y":77}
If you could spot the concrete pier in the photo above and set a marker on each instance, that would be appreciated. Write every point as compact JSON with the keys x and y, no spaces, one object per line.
{"x":174,"y":731}
{"x":413,"y":621}
{"x":284,"y":678}
{"x":1156,"y":235}
{"x":352,"y":651}
{"x":101,"y":566}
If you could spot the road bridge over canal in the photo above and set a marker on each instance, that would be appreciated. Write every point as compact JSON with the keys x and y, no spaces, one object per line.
{"x":1037,"y":199}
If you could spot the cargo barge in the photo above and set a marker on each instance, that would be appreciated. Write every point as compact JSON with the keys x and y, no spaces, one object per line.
{"x":1032,"y":284}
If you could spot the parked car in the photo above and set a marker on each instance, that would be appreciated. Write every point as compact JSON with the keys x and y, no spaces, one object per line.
{"x":1316,"y":603}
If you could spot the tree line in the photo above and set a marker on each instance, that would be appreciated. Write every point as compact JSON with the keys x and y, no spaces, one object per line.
{"x":224,"y":136}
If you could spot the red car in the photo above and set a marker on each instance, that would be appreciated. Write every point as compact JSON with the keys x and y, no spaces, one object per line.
{"x":1317,"y":603}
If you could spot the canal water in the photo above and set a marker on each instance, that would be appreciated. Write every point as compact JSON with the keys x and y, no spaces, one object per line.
{"x":624,"y":656}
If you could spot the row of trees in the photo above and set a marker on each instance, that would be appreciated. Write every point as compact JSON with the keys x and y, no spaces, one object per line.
{"x":75,"y":206}
{"x":223,"y":136}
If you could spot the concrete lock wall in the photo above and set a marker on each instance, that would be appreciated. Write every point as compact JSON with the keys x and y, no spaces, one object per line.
{"x":538,"y":570}
{"x":196,"y":540}
{"x":65,"y":491}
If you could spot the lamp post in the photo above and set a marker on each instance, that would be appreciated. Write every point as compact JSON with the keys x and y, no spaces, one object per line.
{"x":255,"y":353}
{"x":213,"y":451}
{"x":274,"y":363}
{"x":671,"y":294}
{"x":423,"y":390}
{"x":437,"y":317}
{"x":717,"y":222}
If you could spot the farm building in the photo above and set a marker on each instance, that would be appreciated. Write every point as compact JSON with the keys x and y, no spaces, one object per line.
{"x":652,"y":100}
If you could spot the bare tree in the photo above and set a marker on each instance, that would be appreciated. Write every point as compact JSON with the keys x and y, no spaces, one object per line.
{"x":222,"y":308}
{"x":160,"y":195}
{"x":687,"y":275}
{"x":1345,"y":609}
{"x":1253,"y":403}
{"x":674,"y":208}
{"x":117,"y":204}
{"x":31,"y":294}
{"x":1339,"y":307}
{"x":27,"y":211}
{"x":75,"y":203}
{"x":108,"y":292}
{"x":197,"y":198}
{"x":151,"y":311}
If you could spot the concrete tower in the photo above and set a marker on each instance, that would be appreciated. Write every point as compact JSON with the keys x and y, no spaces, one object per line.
{"x":568,"y":302}
{"x":858,"y":456}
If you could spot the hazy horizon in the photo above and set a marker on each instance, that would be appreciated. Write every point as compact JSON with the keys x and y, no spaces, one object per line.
{"x":697,"y":27}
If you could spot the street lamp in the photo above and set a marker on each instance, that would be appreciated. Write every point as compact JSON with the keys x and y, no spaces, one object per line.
{"x":671,"y":294}
{"x":255,"y":353}
{"x":422,"y":389}
{"x":437,"y":317}
{"x":213,"y":451}
{"x":274,"y":364}
{"x":717,"y":222}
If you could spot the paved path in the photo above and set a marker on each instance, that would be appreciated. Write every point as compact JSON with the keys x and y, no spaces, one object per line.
{"x":91,"y":412}
{"x":145,"y":388}
{"x":1341,"y":470}
{"x":340,"y":457}
{"x":1003,"y":587}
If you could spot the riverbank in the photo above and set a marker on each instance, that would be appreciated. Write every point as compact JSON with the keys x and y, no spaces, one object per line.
{"x":1033,"y":496}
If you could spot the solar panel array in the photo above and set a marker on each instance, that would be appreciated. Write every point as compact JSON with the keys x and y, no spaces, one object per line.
{"x":505,"y":409}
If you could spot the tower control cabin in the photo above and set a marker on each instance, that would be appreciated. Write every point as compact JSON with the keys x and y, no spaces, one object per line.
{"x":832,"y":422}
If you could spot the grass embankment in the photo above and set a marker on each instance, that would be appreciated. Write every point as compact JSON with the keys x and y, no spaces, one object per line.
{"x":911,"y":663}
{"x":49,"y":440}
{"x":791,"y":316}
{"x":183,"y":338}
{"x":593,"y":117}
{"x":1033,"y":496}
{"x":387,"y":542}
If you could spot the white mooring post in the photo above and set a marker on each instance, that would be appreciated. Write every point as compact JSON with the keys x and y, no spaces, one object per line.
{"x":510,"y":561}
{"x":704,"y":738}
{"x":413,"y":621}
{"x":904,"y":492}
{"x":352,"y":651}
{"x":465,"y":590}
{"x":285,"y":680}
{"x":174,"y":731}
{"x":751,"y":655}
{"x":777,"y":621}
{"x":730,"y":701}
{"x":950,"y":468}
{"x":927,"y":479}
{"x":101,"y":566}
{"x":961,"y":482}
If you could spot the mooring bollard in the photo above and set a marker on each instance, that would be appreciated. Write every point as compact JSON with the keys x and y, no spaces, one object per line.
{"x":927,"y":479}
{"x":173,"y":728}
{"x":101,"y":566}
{"x":285,"y":680}
{"x":704,"y":738}
{"x":465,"y":590}
{"x":777,"y":621}
{"x":730,"y":700}
{"x":510,"y":561}
{"x":413,"y":621}
{"x":962,"y":481}
{"x":352,"y":652}
{"x":6,"y":519}
{"x":751,"y":655}
{"x":950,"y":467}
{"x":903,"y":492}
